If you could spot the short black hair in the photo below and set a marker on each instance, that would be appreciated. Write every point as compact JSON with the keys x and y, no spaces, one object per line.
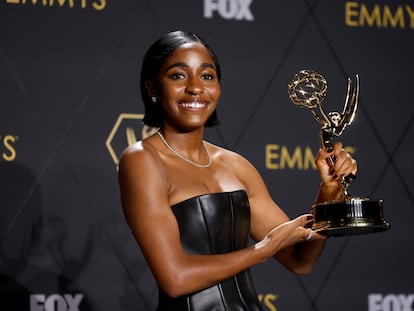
{"x":153,"y":61}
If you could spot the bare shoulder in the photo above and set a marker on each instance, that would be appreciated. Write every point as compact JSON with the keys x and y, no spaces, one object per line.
{"x":139,"y":152}
{"x":140,"y":160}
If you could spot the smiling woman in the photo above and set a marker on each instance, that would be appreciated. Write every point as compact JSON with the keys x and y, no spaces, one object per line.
{"x":153,"y":60}
{"x":192,"y":205}
{"x":187,"y":85}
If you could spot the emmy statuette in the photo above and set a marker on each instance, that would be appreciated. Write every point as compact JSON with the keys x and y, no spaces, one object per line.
{"x":349,"y":215}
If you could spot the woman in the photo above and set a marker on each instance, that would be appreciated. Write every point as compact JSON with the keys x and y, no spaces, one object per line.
{"x":192,"y":205}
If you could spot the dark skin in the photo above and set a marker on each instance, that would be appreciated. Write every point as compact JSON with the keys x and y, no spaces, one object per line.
{"x":152,"y":178}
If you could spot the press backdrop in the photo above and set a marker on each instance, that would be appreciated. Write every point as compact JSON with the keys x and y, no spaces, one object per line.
{"x":70,"y":104}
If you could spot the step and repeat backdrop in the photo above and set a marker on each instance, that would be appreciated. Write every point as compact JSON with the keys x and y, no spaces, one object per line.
{"x":70,"y":103}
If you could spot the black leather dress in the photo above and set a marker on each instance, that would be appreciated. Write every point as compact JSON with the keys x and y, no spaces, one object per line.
{"x":215,"y":223}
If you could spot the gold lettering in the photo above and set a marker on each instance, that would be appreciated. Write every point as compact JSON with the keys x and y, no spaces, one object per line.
{"x":99,"y":5}
{"x":350,"y":149}
{"x":375,"y":16}
{"x":309,"y":159}
{"x":410,"y":12}
{"x":358,"y":14}
{"x":8,"y":140}
{"x":269,"y":300}
{"x":279,"y":157}
{"x":271,"y":155}
{"x":44,"y":2}
{"x":394,"y":20}
{"x":350,"y":13}
{"x":291,"y":161}
{"x":62,"y":3}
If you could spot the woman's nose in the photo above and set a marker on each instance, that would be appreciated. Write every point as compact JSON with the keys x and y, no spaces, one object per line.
{"x":194,"y":86}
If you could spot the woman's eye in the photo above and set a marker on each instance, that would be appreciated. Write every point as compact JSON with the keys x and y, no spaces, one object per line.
{"x":177,"y":76}
{"x":208,"y":76}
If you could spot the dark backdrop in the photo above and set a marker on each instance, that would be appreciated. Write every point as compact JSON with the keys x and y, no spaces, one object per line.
{"x":70,"y":104}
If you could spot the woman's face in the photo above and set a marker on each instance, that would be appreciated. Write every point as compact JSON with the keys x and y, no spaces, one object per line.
{"x":187,"y":87}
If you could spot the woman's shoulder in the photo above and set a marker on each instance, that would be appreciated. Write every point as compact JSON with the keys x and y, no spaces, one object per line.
{"x":139,"y":153}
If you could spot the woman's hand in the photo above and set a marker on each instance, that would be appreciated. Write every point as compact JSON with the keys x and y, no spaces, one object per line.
{"x":287,"y":234}
{"x":333,"y":166}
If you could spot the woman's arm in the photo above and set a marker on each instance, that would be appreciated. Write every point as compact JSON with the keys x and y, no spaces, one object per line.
{"x":298,"y":257}
{"x":144,"y":194}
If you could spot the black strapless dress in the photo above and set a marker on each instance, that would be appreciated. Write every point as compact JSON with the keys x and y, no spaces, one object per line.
{"x":209,"y":224}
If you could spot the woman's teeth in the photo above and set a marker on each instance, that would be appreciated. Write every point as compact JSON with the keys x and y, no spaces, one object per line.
{"x":194,"y":105}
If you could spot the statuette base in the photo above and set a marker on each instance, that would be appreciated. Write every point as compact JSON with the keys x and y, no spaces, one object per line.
{"x":352,"y":216}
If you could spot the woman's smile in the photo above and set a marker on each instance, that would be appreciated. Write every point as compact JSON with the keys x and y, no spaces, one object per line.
{"x":195,"y":105}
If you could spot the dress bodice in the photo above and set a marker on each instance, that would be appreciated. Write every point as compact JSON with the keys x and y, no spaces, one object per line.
{"x":210,"y":224}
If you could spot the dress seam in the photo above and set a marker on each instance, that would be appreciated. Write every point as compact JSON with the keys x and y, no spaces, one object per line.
{"x":200,"y":203}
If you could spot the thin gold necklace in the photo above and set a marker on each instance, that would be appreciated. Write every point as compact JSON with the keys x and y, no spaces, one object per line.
{"x":183,"y":157}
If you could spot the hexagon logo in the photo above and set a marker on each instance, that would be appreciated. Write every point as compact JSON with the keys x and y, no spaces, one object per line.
{"x":124,"y":133}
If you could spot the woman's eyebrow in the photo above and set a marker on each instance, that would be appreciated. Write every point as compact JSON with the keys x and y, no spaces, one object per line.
{"x":208,"y":65}
{"x":175,"y":65}
{"x":181,"y":64}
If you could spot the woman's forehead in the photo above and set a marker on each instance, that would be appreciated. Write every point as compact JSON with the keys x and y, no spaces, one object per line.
{"x":190,"y":50}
